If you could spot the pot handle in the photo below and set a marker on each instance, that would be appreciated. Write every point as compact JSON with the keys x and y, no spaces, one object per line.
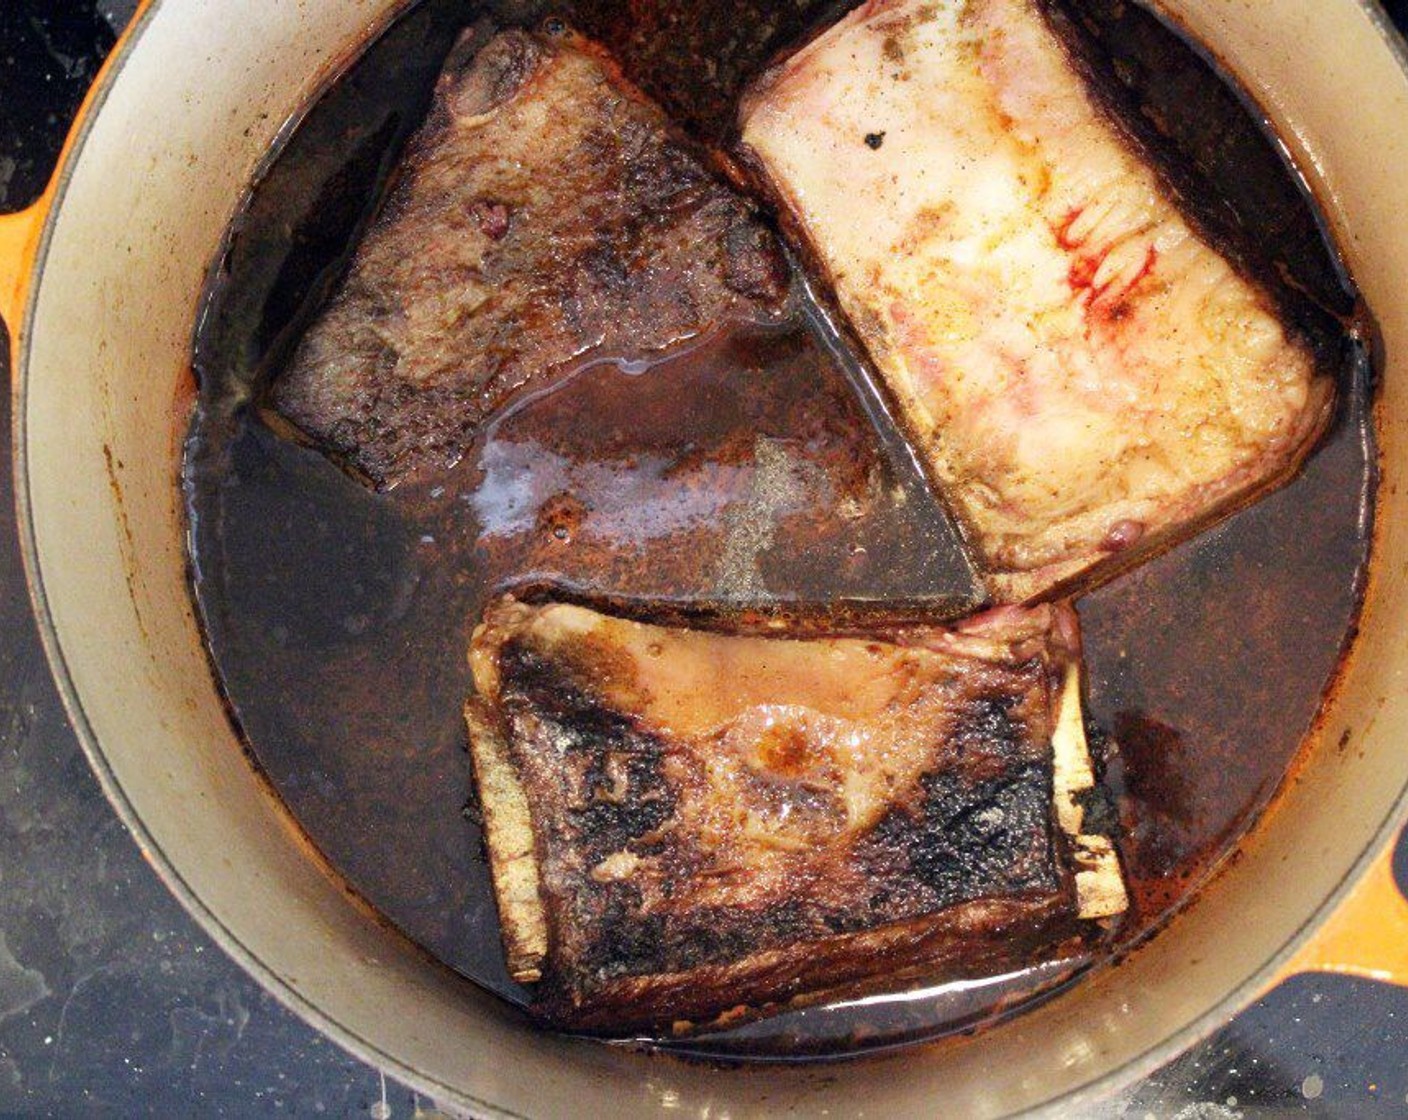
{"x":20,"y":232}
{"x":1366,"y":936}
{"x":19,"y":241}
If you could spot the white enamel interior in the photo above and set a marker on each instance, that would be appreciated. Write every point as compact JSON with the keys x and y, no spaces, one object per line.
{"x":104,"y":356}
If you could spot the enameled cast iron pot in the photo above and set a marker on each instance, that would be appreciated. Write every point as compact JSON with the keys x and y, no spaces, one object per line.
{"x":99,"y":285}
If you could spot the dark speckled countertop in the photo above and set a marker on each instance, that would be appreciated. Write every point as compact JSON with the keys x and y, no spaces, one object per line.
{"x":113,"y":1002}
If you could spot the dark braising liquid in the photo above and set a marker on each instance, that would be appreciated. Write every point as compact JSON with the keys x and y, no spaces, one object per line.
{"x":742,"y":469}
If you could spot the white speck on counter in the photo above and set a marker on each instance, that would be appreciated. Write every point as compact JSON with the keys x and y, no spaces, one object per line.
{"x":1312,"y":1087}
{"x":381,"y":1110}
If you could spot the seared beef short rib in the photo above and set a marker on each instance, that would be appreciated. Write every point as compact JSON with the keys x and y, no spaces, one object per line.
{"x":683,"y":824}
{"x":1087,"y":377}
{"x":546,"y":213}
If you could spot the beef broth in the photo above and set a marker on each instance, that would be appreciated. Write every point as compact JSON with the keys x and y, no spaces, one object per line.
{"x":337,"y":618}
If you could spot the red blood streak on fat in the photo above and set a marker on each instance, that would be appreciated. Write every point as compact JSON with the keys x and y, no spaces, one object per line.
{"x":1082,"y":272}
{"x":1063,"y":231}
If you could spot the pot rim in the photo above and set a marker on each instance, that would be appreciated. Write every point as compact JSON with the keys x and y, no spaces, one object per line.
{"x":1125,"y":1074}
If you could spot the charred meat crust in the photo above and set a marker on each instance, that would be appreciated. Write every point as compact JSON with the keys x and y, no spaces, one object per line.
{"x":689,"y":865}
{"x":981,"y":938}
{"x":544,"y":213}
